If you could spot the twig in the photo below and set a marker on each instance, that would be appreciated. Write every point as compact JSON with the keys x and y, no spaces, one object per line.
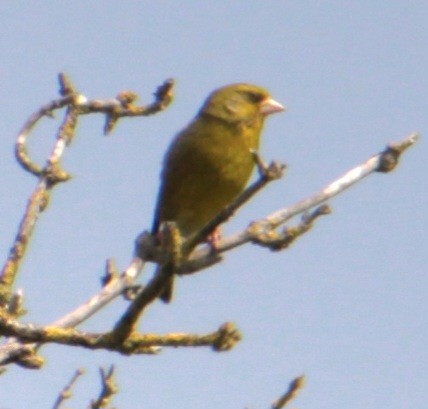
{"x":16,"y":304}
{"x":114,"y":288}
{"x":66,"y":392}
{"x":276,"y":241}
{"x":374,"y":164}
{"x":294,"y":387}
{"x":20,"y":147}
{"x":124,"y":327}
{"x":51,"y":174}
{"x":108,"y":389}
{"x":221,"y":340}
{"x":13,"y":350}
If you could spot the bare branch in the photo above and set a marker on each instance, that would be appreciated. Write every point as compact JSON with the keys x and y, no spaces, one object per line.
{"x":221,"y":340}
{"x":13,"y":350}
{"x":50,"y":175}
{"x":355,"y":175}
{"x":108,"y":389}
{"x":294,"y":387}
{"x":35,"y":206}
{"x":66,"y":392}
{"x":20,"y":147}
{"x":261,"y":232}
{"x":113,"y":289}
{"x":276,"y":241}
{"x":123,"y":105}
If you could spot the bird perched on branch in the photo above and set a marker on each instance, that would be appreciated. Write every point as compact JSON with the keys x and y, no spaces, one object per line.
{"x":210,"y":161}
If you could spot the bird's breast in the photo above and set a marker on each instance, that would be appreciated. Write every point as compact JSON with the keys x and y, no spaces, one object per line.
{"x":204,"y":172}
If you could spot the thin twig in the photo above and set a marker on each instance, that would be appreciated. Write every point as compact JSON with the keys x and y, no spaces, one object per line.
{"x":50,"y":176}
{"x":295,"y":386}
{"x":20,"y":147}
{"x":260,"y":232}
{"x":124,"y":105}
{"x":113,"y":289}
{"x":280,"y":240}
{"x":66,"y":392}
{"x":124,"y":327}
{"x":108,"y":389}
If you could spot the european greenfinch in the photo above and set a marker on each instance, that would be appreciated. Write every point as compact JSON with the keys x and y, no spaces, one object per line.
{"x":210,"y":161}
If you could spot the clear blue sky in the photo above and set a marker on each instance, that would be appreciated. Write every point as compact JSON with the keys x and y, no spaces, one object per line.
{"x":346,"y":305}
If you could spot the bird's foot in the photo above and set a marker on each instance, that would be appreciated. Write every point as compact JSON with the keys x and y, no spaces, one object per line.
{"x":213,"y":239}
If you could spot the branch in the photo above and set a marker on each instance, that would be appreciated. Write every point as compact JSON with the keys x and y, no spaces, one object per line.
{"x":276,"y":241}
{"x":124,"y":105}
{"x":108,"y":389}
{"x":21,"y":152}
{"x":51,"y":173}
{"x":13,"y":350}
{"x":221,"y":340}
{"x":294,"y":387}
{"x":382,"y":162}
{"x":204,"y":257}
{"x":124,"y":327}
{"x":66,"y":392}
{"x":49,"y":176}
{"x":260,"y":232}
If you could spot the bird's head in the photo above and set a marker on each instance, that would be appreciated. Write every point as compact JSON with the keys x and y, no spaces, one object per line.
{"x":240,"y":102}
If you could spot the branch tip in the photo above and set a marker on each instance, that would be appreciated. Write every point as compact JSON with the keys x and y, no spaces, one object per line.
{"x":111,"y":272}
{"x":273,"y":171}
{"x":16,"y":304}
{"x":66,"y":391}
{"x":126,"y":98}
{"x":227,"y":337}
{"x":164,"y":92}
{"x":65,"y":85}
{"x":108,"y":388}
{"x":389,"y":158}
{"x":266,"y":236}
{"x":293,"y":388}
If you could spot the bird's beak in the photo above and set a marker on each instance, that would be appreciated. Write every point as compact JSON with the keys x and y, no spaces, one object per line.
{"x":270,"y":106}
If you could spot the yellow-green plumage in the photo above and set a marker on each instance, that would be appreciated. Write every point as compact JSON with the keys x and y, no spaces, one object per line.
{"x":209,"y":163}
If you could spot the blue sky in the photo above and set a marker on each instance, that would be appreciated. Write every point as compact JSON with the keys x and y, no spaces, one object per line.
{"x":346,"y":305}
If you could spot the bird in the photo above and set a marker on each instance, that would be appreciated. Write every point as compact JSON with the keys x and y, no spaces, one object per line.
{"x":209,"y":163}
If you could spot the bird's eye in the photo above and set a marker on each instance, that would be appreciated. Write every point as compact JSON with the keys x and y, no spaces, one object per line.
{"x":255,"y":96}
